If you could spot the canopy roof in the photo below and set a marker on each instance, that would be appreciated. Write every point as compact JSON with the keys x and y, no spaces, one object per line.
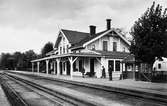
{"x":113,"y":55}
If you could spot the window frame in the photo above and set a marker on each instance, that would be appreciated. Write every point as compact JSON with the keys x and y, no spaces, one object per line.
{"x":115,"y":46}
{"x":105,"y":48}
{"x":93,"y":47}
{"x":117,"y":66}
{"x":60,"y":50}
{"x":67,"y":48}
{"x":159,"y":65}
{"x":64,"y":50}
{"x":124,"y":49}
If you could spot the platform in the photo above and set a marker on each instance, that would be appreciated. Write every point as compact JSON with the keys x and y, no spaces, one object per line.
{"x":131,"y":84}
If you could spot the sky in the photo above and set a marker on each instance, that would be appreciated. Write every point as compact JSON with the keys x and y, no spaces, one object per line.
{"x":30,"y":24}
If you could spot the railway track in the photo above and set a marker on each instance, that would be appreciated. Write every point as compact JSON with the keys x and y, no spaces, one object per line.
{"x":13,"y":97}
{"x":119,"y":97}
{"x":51,"y":97}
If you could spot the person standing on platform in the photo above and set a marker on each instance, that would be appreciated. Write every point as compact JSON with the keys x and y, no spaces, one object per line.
{"x":110,"y":72}
{"x":103,"y":72}
{"x":83,"y":72}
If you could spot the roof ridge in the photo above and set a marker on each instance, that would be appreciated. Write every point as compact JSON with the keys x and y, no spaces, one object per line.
{"x":74,"y":31}
{"x":83,"y":32}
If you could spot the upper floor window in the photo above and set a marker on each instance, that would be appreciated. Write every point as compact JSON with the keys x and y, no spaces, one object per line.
{"x":64,"y":49}
{"x":105,"y":45}
{"x":114,"y":46}
{"x":60,"y":50}
{"x":67,"y":48}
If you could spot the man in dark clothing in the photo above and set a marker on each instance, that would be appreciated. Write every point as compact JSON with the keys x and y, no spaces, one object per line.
{"x":110,"y":69}
{"x":83,"y":71}
{"x":103,"y":72}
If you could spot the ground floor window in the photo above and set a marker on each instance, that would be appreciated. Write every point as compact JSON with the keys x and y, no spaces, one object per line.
{"x":74,"y":67}
{"x":117,"y":65}
{"x":64,"y":66}
{"x":128,"y":68}
{"x":80,"y":65}
{"x":159,"y":66}
{"x":111,"y":64}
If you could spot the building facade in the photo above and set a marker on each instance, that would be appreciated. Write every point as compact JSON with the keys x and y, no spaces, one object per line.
{"x":75,"y":50}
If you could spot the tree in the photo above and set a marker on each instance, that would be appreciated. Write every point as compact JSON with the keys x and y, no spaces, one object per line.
{"x":29,"y":55}
{"x":47,"y":48}
{"x":18,"y":56}
{"x":4,"y":60}
{"x":17,"y":60}
{"x":148,"y":32}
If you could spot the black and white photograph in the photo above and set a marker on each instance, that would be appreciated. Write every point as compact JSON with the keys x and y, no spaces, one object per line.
{"x":83,"y":52}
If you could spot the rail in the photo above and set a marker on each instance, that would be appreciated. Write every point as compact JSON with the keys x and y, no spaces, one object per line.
{"x":13,"y":97}
{"x":64,"y":97}
{"x":134,"y":93}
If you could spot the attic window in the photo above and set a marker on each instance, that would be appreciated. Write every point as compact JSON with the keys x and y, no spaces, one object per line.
{"x":123,"y":49}
{"x":93,"y":47}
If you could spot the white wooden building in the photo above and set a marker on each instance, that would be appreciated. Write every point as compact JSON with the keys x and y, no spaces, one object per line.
{"x":160,"y":64}
{"x":74,"y":50}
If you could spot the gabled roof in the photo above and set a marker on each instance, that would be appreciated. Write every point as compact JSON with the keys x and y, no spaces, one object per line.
{"x":75,"y":36}
{"x":79,"y":39}
{"x":105,"y":33}
{"x":79,"y":44}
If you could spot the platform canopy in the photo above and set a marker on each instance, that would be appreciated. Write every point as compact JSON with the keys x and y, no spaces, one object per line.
{"x":129,"y":59}
{"x":68,"y":55}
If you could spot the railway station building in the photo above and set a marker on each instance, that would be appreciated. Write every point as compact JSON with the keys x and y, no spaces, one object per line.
{"x":74,"y":50}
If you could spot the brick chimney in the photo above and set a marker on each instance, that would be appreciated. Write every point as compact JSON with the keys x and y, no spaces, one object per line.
{"x":92,"y":30}
{"x":108,"y":24}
